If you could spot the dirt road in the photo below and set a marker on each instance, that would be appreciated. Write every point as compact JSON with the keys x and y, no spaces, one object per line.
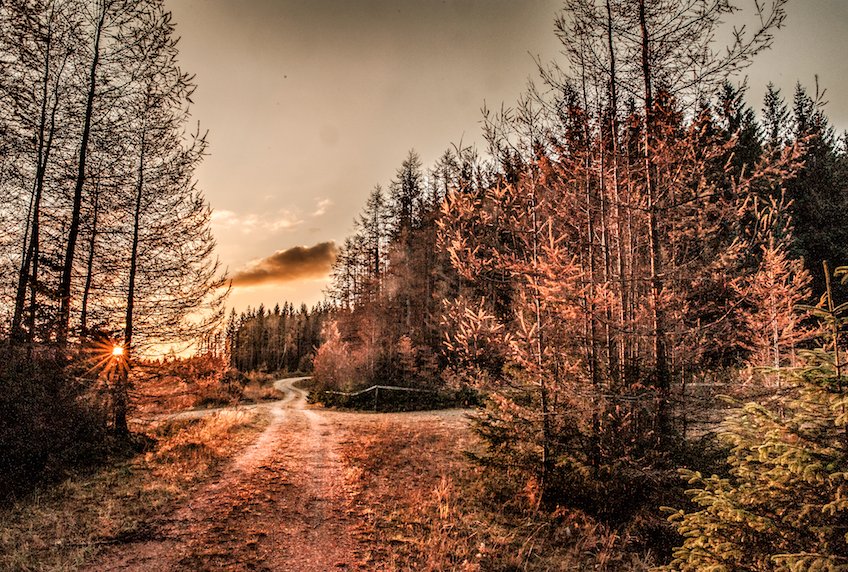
{"x":280,"y":505}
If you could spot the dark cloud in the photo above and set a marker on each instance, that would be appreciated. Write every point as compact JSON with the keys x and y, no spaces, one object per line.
{"x":288,"y":265}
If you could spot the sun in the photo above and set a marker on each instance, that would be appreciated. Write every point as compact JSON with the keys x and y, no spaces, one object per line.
{"x":117,"y":351}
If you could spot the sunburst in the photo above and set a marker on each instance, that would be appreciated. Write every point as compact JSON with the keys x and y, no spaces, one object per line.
{"x":106,"y":357}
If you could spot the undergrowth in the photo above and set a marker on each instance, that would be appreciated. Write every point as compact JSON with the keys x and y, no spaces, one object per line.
{"x":396,"y":399}
{"x":62,"y":527}
{"x":50,"y":421}
{"x":424,"y":506}
{"x":199,"y":383}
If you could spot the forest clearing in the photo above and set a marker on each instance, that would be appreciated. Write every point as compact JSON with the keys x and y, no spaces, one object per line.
{"x":606,"y":330}
{"x":296,"y":489}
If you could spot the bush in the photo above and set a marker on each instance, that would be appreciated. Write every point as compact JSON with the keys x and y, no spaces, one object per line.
{"x":49,"y":421}
{"x":337,"y":364}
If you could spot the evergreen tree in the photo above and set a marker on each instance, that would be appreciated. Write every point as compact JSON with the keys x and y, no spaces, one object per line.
{"x":775,"y":119}
{"x":405,"y":195}
{"x":739,"y":121}
{"x":818,"y":190}
{"x":784,"y":504}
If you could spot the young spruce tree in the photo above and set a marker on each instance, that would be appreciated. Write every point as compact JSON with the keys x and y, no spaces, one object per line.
{"x":784,"y":505}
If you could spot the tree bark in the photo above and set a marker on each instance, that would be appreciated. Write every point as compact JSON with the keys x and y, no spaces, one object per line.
{"x":121,"y":386}
{"x":547,"y":460}
{"x":592,"y":342}
{"x":662,"y":374}
{"x":73,"y":231}
{"x":31,"y":235}
{"x":619,"y":214}
{"x":90,"y":266}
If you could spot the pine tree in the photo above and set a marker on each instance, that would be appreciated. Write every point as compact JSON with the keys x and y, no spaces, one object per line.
{"x":784,"y":504}
{"x":775,"y":122}
{"x":773,"y":293}
{"x":819,"y":189}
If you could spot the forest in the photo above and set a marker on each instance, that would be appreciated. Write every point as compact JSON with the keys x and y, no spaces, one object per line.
{"x":636,"y":289}
{"x":278,"y":340}
{"x":640,"y":275}
{"x":106,"y":247}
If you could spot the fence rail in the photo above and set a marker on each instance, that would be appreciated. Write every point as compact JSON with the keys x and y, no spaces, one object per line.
{"x":378,"y":387}
{"x":372,"y":397}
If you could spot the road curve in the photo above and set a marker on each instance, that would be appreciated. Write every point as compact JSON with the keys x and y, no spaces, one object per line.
{"x":295,"y":397}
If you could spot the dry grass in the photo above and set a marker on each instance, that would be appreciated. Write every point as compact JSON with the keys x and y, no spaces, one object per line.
{"x":62,"y":527}
{"x":260,"y":391}
{"x":171,"y":393}
{"x":424,"y":508}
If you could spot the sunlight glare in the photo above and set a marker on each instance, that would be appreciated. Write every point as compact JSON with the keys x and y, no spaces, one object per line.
{"x":117,"y":351}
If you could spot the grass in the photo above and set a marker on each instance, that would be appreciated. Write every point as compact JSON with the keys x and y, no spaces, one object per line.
{"x":260,"y":390}
{"x":62,"y":527}
{"x":172,"y":393}
{"x":423,"y":506}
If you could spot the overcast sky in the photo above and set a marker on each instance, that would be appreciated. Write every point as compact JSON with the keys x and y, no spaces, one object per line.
{"x":310,"y":103}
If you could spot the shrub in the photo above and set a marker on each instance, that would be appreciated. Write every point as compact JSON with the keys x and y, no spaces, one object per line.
{"x":49,"y":420}
{"x":382,"y":399}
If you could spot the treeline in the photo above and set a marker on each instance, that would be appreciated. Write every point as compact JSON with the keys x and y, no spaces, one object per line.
{"x":279,"y":340}
{"x":634,"y":229}
{"x":105,"y":239}
{"x":388,"y":283}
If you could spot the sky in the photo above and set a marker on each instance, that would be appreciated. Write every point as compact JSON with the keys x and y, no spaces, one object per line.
{"x":311,"y":103}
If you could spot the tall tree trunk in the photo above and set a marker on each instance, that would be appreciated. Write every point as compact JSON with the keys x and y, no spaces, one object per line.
{"x":594,"y":450}
{"x":547,"y":460}
{"x":90,"y":265}
{"x":33,"y":281}
{"x":31,"y":238}
{"x":15,"y":330}
{"x":663,"y":377}
{"x":619,"y":214}
{"x":73,"y":231}
{"x":611,"y":362}
{"x":121,"y":389}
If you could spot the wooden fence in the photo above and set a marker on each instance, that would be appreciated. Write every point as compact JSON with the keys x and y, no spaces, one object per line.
{"x":376,"y":390}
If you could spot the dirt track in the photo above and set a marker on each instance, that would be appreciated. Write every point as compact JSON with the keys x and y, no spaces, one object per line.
{"x":280,"y":505}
